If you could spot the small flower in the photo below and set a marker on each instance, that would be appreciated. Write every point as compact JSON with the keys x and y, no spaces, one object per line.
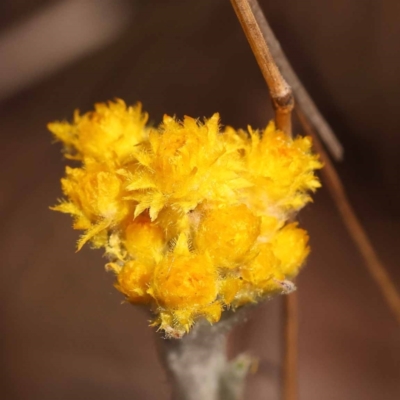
{"x":107,"y":133}
{"x":227,"y":233}
{"x":193,"y":218}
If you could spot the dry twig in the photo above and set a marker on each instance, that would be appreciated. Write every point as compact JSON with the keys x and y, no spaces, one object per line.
{"x":353,"y":224}
{"x":303,"y":99}
{"x":290,"y":389}
{"x":283,"y":102}
{"x":281,"y":93}
{"x":314,"y":125}
{"x":267,"y":49}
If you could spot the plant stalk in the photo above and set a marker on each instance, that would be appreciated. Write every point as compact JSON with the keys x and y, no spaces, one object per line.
{"x":280,"y":91}
{"x":198,"y":366}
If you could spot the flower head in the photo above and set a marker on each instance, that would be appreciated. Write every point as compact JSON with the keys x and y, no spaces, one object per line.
{"x":193,"y":217}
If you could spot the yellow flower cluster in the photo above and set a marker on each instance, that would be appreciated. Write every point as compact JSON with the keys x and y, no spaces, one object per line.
{"x":193,"y":217}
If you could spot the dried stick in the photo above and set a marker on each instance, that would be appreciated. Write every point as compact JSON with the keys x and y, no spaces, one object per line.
{"x":290,"y":389}
{"x":281,"y":93}
{"x":303,"y":99}
{"x":283,"y":102}
{"x":353,"y":224}
{"x":314,"y":124}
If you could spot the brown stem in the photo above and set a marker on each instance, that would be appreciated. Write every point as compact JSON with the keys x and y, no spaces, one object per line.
{"x":283,"y":102}
{"x":303,"y":99}
{"x":290,"y":389}
{"x":281,"y":93}
{"x":353,"y":224}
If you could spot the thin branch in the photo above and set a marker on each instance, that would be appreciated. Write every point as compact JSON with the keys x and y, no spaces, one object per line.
{"x":283,"y":102}
{"x":375,"y":266}
{"x":281,"y":93}
{"x":290,"y":390}
{"x":315,"y":124}
{"x":303,"y":99}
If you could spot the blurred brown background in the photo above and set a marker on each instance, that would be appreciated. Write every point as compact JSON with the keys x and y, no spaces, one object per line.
{"x":64,"y":333}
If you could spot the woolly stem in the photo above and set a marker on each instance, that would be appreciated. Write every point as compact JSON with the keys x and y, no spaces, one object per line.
{"x":198,"y":366}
